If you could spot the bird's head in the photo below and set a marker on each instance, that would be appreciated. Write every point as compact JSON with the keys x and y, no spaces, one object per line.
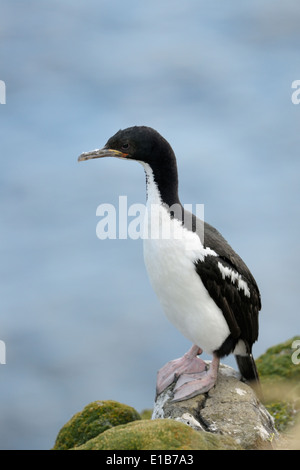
{"x":139,"y":143}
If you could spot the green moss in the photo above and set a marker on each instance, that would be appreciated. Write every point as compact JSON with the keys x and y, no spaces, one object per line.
{"x":159,"y":434}
{"x":283,"y":414}
{"x":280,"y":378}
{"x":146,"y":414}
{"x":93,"y":420}
{"x":277,"y":362}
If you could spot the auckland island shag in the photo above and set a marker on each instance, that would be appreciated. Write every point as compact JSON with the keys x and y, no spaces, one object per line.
{"x":204,"y":287}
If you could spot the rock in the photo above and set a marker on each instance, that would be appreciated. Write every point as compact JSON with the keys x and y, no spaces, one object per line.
{"x":230,"y":409}
{"x":227,"y":417}
{"x":93,"y":420}
{"x":160,"y":434}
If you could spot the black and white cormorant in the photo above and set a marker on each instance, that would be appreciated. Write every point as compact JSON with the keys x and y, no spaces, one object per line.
{"x":204,"y":287}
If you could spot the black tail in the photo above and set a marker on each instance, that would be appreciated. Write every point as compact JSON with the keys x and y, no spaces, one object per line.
{"x":249,"y":372}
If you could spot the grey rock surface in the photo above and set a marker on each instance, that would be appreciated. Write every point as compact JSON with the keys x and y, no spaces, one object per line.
{"x":231,"y":408}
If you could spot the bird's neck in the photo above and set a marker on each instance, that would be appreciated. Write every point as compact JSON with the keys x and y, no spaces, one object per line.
{"x":162,"y":186}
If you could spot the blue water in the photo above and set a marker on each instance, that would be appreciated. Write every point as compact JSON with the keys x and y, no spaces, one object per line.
{"x":78,"y":316}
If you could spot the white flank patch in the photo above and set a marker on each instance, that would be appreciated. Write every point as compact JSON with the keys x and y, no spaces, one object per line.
{"x":235,"y":278}
{"x":240,"y":348}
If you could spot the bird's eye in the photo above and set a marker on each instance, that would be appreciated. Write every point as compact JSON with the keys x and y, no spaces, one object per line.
{"x":125,"y":146}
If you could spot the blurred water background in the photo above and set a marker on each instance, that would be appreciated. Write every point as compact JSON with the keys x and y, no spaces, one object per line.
{"x":78,"y":316}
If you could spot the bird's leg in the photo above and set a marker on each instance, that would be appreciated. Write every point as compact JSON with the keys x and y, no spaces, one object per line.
{"x":190,"y":385}
{"x":189,"y":363}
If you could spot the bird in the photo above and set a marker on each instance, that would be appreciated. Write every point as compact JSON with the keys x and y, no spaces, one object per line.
{"x":204,"y":287}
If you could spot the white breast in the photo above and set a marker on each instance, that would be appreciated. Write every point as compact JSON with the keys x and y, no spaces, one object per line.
{"x":170,"y":264}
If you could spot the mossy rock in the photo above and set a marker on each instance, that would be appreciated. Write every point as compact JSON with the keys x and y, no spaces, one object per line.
{"x":93,"y":420}
{"x":158,"y":434}
{"x":280,"y":378}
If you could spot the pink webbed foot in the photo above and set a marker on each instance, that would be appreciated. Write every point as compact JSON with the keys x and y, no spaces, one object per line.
{"x":190,"y":385}
{"x":187,"y":364}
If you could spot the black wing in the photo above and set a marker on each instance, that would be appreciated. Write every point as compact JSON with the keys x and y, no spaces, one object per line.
{"x":240,"y":306}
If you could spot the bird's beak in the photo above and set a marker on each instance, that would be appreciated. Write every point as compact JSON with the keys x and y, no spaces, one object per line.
{"x":100,"y":153}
